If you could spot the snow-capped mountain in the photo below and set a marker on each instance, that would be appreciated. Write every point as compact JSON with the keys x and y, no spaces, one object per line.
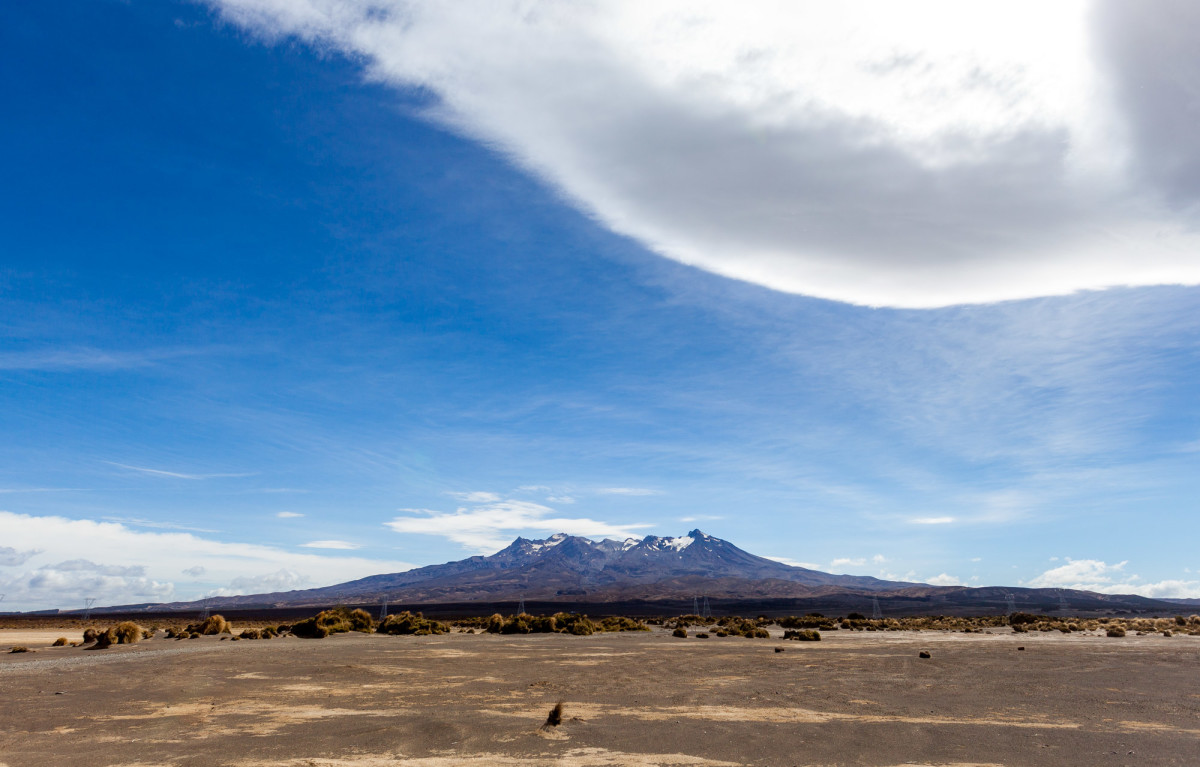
{"x":569,"y":567}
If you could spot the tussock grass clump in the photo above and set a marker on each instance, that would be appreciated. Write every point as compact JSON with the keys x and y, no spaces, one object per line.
{"x":338,"y":620}
{"x":210,"y":626}
{"x":90,"y":636}
{"x":410,"y":623}
{"x":803,"y":635}
{"x":249,"y":634}
{"x":810,"y":621}
{"x":19,"y":648}
{"x":61,"y":642}
{"x":1115,"y":631}
{"x":555,"y":717}
{"x":679,"y":632}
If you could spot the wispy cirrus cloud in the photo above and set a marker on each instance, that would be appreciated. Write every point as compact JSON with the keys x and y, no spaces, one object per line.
{"x":490,"y":525}
{"x":627,"y":491}
{"x":178,"y":474}
{"x":158,"y":524}
{"x":331,"y":544}
{"x":288,"y":515}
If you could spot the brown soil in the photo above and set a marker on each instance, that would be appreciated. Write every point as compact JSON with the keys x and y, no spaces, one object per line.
{"x":629,"y":699}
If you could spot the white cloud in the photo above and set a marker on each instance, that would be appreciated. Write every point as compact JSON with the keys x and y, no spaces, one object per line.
{"x":878,"y":153}
{"x":560,"y":499}
{"x":196,"y":571}
{"x":330,"y":545}
{"x":879,"y":559}
{"x":700,"y":518}
{"x":281,"y":580}
{"x":627,"y":491}
{"x":10,"y":557}
{"x":491,"y":525}
{"x":116,"y":564}
{"x":795,"y":563}
{"x":848,"y":562}
{"x":1097,"y":575}
{"x":945,"y":580}
{"x":932,"y":521}
{"x":289,"y":515}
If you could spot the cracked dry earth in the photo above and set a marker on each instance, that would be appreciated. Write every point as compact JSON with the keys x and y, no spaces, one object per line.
{"x":632,"y":699}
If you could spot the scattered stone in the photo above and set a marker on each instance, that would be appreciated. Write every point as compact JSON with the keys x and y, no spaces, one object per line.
{"x":1021,"y":649}
{"x":778,"y":649}
{"x":924,"y":654}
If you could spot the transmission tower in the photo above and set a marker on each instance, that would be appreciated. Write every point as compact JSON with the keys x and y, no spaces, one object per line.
{"x":707,"y":613}
{"x":204,"y":615}
{"x":1062,"y":602}
{"x":383,"y":607}
{"x":521,"y":607}
{"x":87,"y":610}
{"x":876,"y":613}
{"x":695,"y":605}
{"x":1010,"y":603}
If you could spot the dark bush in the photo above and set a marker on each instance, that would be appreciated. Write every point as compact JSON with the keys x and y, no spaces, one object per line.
{"x":680,"y":632}
{"x":1116,"y":631}
{"x":61,"y":642}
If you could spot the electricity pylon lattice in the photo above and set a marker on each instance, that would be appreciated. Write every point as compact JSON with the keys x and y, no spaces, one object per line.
{"x":383,"y":607}
{"x":706,"y":613}
{"x":87,"y":610}
{"x":695,"y":605}
{"x":521,"y":607}
{"x":876,"y":613}
{"x":204,"y":615}
{"x":1010,"y":603}
{"x":1062,"y":602}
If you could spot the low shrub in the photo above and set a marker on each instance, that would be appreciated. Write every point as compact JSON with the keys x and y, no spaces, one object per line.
{"x":412,"y":624}
{"x":621,"y":623}
{"x":680,"y":632}
{"x":1116,"y":631}
{"x":702,"y":635}
{"x":90,"y":636}
{"x":803,"y":635}
{"x":337,"y":620}
{"x":19,"y":648}
{"x":61,"y":642}
{"x":249,"y":634}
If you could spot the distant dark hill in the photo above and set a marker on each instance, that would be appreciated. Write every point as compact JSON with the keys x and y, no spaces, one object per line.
{"x":577,"y":572}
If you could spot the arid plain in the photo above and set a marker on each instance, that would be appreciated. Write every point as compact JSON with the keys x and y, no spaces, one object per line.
{"x":647,"y":698}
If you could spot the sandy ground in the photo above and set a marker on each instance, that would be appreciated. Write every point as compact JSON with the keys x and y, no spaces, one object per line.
{"x":630,"y":699}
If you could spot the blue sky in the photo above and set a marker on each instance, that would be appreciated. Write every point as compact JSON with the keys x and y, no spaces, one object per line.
{"x":291,"y":295}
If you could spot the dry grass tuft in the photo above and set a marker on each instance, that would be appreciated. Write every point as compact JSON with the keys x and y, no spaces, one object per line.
{"x":803,"y":635}
{"x":414,"y":624}
{"x":337,"y":620}
{"x":680,"y":632}
{"x":19,"y":648}
{"x":212,"y":625}
{"x":61,"y":642}
{"x":555,"y":718}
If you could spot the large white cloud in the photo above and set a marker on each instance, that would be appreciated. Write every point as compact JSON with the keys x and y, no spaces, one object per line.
{"x":63,"y":561}
{"x":904,"y":154}
{"x":489,"y":526}
{"x":1097,"y":575}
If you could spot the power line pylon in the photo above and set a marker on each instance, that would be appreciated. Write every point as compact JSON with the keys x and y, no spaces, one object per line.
{"x":383,"y":607}
{"x":876,"y":613}
{"x":707,"y":613}
{"x":87,"y":610}
{"x":1010,"y":603}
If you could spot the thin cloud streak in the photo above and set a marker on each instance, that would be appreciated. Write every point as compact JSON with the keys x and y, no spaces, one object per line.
{"x":179,"y":475}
